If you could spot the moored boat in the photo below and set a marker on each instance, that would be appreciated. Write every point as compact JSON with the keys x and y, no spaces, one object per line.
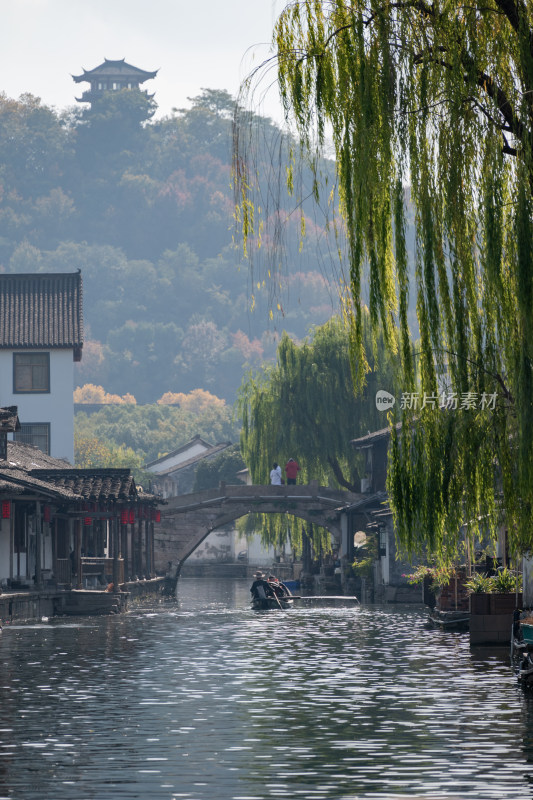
{"x":451,"y":620}
{"x":522,"y":650}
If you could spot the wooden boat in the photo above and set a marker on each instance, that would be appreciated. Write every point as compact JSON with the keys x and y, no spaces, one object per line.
{"x":271,"y":603}
{"x":451,"y":620}
{"x":522,"y":653}
{"x":523,"y":662}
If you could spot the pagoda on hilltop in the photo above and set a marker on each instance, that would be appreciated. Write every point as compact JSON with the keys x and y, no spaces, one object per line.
{"x":111,"y":76}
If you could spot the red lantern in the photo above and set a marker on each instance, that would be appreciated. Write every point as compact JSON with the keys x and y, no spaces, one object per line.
{"x":46,"y":513}
{"x":87,"y":521}
{"x":158,"y":516}
{"x":124,"y":516}
{"x":6,"y":509}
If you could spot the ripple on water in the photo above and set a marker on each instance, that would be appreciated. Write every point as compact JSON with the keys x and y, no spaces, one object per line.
{"x":205,"y":700}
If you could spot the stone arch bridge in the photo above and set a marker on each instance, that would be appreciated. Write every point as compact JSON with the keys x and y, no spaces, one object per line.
{"x":188,"y":519}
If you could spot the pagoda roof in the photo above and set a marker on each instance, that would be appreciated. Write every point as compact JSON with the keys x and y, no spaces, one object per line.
{"x":115,"y":68}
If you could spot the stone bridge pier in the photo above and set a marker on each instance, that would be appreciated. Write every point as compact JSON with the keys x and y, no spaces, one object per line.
{"x":188,"y":519}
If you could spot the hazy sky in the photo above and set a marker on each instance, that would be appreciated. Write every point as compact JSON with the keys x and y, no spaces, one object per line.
{"x":194,"y":43}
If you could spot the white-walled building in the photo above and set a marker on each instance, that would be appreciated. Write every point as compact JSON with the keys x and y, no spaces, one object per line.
{"x":174,"y":472}
{"x":41,"y":336}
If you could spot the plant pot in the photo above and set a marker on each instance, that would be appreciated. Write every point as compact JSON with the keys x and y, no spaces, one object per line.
{"x":494,"y":602}
{"x":480,"y":603}
{"x":504,"y":602}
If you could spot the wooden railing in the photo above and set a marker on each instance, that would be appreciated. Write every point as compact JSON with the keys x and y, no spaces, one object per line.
{"x":102,"y":567}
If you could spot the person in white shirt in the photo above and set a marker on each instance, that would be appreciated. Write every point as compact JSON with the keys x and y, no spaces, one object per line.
{"x":275,"y":475}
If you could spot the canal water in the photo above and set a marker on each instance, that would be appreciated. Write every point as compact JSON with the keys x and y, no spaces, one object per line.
{"x":204,"y":699}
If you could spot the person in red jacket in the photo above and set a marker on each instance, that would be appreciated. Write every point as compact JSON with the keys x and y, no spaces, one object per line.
{"x":291,"y":470}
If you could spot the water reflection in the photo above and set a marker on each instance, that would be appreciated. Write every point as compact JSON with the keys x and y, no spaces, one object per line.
{"x":204,"y":699}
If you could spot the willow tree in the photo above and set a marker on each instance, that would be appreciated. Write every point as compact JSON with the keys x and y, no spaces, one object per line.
{"x":305,"y":407}
{"x":431,"y":104}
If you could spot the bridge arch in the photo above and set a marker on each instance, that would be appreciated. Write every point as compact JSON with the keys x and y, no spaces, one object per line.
{"x":188,"y":519}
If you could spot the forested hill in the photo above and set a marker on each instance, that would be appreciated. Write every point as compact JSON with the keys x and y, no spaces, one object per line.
{"x":145,"y":209}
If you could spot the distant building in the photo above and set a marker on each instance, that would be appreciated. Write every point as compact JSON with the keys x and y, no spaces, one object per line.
{"x":41,"y":335}
{"x":372,"y":516}
{"x":174,"y":473}
{"x":111,"y":76}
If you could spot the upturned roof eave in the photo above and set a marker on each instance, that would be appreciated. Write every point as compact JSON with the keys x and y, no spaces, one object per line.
{"x":111,"y":67}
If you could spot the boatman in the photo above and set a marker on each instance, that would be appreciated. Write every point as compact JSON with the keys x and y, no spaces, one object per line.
{"x":261,"y":588}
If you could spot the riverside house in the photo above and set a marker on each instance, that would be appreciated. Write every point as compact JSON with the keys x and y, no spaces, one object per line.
{"x":41,"y":337}
{"x":72,"y":541}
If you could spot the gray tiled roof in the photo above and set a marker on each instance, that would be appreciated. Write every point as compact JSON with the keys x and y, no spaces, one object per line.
{"x":196,"y":440}
{"x":91,"y":484}
{"x":110,"y":68}
{"x":42,"y":310}
{"x":17,"y":481}
{"x":28,"y":470}
{"x":206,"y":455}
{"x":372,"y":438}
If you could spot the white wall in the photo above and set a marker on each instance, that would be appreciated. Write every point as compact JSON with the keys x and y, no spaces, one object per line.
{"x":218,"y":546}
{"x":55,"y":407}
{"x":258,"y":554}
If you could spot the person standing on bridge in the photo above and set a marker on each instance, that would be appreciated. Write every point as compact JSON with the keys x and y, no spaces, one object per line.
{"x":275,"y":475}
{"x":291,"y":470}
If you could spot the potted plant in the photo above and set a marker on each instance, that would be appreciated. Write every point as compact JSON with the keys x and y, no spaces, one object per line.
{"x":494,"y":594}
{"x":479,"y":585}
{"x":504,"y":588}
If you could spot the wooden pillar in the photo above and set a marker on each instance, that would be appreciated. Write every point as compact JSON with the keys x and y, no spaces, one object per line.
{"x":124,"y":548}
{"x":146,"y":549}
{"x":53,"y":526}
{"x":133,"y":552}
{"x":71,"y":547}
{"x":77,"y":552}
{"x":102,"y":537}
{"x":38,"y":543}
{"x":149,"y":534}
{"x":129,"y":566}
{"x":14,"y":510}
{"x":138,"y":550}
{"x":152,"y":551}
{"x":115,"y":537}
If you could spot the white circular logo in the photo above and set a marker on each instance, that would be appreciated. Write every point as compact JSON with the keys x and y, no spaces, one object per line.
{"x":384,"y":400}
